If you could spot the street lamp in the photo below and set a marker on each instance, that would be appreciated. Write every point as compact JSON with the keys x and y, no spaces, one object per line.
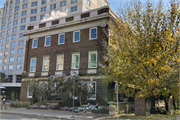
{"x":116,"y":90}
{"x":73,"y":96}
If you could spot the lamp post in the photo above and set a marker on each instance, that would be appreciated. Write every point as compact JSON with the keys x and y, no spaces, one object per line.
{"x":73,"y":96}
{"x":116,"y":90}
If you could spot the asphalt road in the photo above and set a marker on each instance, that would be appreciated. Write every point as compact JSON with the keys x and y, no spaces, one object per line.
{"x":22,"y":117}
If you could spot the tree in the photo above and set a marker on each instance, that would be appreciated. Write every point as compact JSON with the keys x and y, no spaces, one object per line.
{"x":142,"y":50}
{"x":65,"y":83}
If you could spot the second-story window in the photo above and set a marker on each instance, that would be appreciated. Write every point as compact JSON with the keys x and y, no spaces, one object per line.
{"x":21,"y":35}
{"x":33,"y":65}
{"x":61,"y":39}
{"x":75,"y":60}
{"x":2,"y":34}
{"x":53,"y":6}
{"x":73,"y":8}
{"x":43,"y":9}
{"x":34,"y":4}
{"x":1,"y":40}
{"x":43,"y":2}
{"x":62,"y":3}
{"x":93,"y":33}
{"x":76,"y":36}
{"x":7,"y":39}
{"x":47,"y":41}
{"x":92,"y":62}
{"x":11,"y":4}
{"x":60,"y":61}
{"x":33,"y":11}
{"x":10,"y":67}
{"x":9,"y":25}
{"x":73,"y":1}
{"x":46,"y":64}
{"x":35,"y":43}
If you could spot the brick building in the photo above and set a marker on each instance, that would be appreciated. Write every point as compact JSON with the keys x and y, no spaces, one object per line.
{"x":67,"y":45}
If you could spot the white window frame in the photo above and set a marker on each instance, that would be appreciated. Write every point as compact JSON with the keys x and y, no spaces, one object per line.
{"x":89,"y":58}
{"x":45,"y":41}
{"x":95,"y":90}
{"x":19,"y":68}
{"x":33,"y":43}
{"x":90,"y":33}
{"x":59,"y":39}
{"x":28,"y":92}
{"x":57,"y":63}
{"x":72,"y":60}
{"x":11,"y":59}
{"x":31,"y":64}
{"x":43,"y":63}
{"x":19,"y":59}
{"x":74,"y":36}
{"x":9,"y":66}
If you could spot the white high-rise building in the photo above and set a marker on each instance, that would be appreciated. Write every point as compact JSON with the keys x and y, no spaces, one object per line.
{"x":15,"y":16}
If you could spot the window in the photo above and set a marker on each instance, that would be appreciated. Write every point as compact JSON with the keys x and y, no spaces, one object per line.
{"x":33,"y":18}
{"x":62,"y":3}
{"x":18,"y":67}
{"x":6,"y":46}
{"x":16,"y":8}
{"x":33,"y":11}
{"x":7,"y":39}
{"x":10,"y":18}
{"x":88,"y":2}
{"x":43,"y":2}
{"x":15,"y":29}
{"x":11,"y":4}
{"x":63,"y":10}
{"x":8,"y":32}
{"x":42,"y":17}
{"x":93,"y":33}
{"x":1,"y":47}
{"x":1,"y":40}
{"x":21,"y":35}
{"x":60,"y":61}
{"x":15,"y":22}
{"x":13,"y":44}
{"x":21,"y":42}
{"x":2,"y":33}
{"x":23,"y":20}
{"x":13,"y":37}
{"x":53,"y":6}
{"x":43,"y":9}
{"x":73,"y":1}
{"x":4,"y":20}
{"x":19,"y":58}
{"x":25,"y":0}
{"x":29,"y":93}
{"x":73,"y":8}
{"x":23,"y":27}
{"x":9,"y":25}
{"x":3,"y":27}
{"x":75,"y":61}
{"x":6,"y":8}
{"x":92,"y":62}
{"x":24,"y":13}
{"x":92,"y":90}
{"x":17,"y":2}
{"x":87,"y":9}
{"x":12,"y":52}
{"x":5,"y":14}
{"x":20,"y":50}
{"x":24,"y":6}
{"x":4,"y":68}
{"x":34,"y":4}
{"x":47,"y":41}
{"x":16,"y":15}
{"x":5,"y":60}
{"x":76,"y":36}
{"x":33,"y":65}
{"x":11,"y":59}
{"x":61,"y":38}
{"x":5,"y":53}
{"x":53,"y":0}
{"x":10,"y":11}
{"x":35,"y":43}
{"x":10,"y":67}
{"x":45,"y":64}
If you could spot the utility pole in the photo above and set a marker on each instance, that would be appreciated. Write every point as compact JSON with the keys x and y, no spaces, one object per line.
{"x":73,"y":96}
{"x":116,"y":90}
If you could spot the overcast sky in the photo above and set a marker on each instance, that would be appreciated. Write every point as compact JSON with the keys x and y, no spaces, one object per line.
{"x":113,"y":3}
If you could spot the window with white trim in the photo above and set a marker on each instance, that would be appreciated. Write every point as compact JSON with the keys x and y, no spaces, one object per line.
{"x":16,"y":15}
{"x":75,"y":61}
{"x":23,"y":20}
{"x":91,"y":90}
{"x":76,"y":36}
{"x":93,"y":33}
{"x":10,"y":18}
{"x":35,"y":43}
{"x":53,"y":6}
{"x":29,"y":93}
{"x":6,"y":46}
{"x":15,"y":22}
{"x":10,"y":67}
{"x":21,"y":42}
{"x":13,"y":44}
{"x":33,"y":65}
{"x":20,"y":50}
{"x":34,"y":4}
{"x":10,"y":11}
{"x":3,"y":27}
{"x":24,"y":13}
{"x":61,"y":39}
{"x":13,"y":37}
{"x":11,"y":59}
{"x":62,"y":3}
{"x":47,"y":41}
{"x":73,"y":8}
{"x":33,"y":11}
{"x":73,"y":1}
{"x":46,"y":63}
{"x":9,"y":25}
{"x":1,"y":40}
{"x":2,"y":33}
{"x":60,"y":62}
{"x":8,"y":32}
{"x":43,"y":9}
{"x":92,"y":62}
{"x":19,"y":66}
{"x":15,"y":29}
{"x":7,"y":39}
{"x":43,"y":2}
{"x":19,"y":58}
{"x":24,"y":6}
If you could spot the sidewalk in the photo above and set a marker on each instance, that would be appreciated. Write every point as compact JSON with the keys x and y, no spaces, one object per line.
{"x":56,"y":114}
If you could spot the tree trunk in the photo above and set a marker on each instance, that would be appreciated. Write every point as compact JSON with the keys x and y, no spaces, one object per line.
{"x":174,"y":105}
{"x":152,"y":110}
{"x":166,"y":104}
{"x":80,"y":100}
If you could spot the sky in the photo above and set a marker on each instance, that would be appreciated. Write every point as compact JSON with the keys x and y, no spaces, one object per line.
{"x":114,"y":4}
